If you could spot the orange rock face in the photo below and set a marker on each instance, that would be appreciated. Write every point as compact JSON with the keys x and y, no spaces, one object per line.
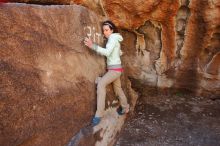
{"x":176,"y":43}
{"x":167,"y":44}
{"x":177,"y":46}
{"x":186,"y":34}
{"x":200,"y":49}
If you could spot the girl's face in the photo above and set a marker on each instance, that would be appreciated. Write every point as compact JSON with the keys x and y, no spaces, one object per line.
{"x":107,"y":31}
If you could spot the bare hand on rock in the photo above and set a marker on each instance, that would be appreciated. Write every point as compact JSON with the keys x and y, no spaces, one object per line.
{"x":88,"y":42}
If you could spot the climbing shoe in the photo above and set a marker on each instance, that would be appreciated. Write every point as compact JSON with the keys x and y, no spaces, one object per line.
{"x":96,"y":120}
{"x":122,"y":111}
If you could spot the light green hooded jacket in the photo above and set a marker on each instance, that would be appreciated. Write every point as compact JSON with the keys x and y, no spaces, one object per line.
{"x":112,"y":50}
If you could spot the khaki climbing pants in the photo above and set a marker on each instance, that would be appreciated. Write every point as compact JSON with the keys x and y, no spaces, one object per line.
{"x":110,"y":77}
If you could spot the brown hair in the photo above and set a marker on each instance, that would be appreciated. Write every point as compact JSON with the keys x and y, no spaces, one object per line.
{"x":111,"y":25}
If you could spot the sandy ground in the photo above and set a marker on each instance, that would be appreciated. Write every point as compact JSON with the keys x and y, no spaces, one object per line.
{"x":173,"y":120}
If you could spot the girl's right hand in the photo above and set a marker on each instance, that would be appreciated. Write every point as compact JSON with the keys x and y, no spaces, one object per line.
{"x":88,"y":42}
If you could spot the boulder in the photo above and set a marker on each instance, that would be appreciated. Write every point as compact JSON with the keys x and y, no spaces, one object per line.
{"x":47,"y":75}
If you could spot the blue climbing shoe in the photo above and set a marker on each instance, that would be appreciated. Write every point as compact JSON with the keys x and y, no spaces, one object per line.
{"x":96,"y":120}
{"x":121,"y":111}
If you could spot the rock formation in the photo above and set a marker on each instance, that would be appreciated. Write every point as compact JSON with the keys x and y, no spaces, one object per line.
{"x":46,"y":71}
{"x":176,"y":43}
{"x":173,"y":44}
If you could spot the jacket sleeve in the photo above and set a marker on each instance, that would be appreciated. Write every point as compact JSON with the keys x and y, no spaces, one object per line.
{"x":105,"y":51}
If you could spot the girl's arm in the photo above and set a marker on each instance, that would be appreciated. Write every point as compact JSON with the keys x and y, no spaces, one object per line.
{"x":103,"y":51}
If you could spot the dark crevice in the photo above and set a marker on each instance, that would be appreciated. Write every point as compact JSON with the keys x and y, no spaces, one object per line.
{"x":181,"y":24}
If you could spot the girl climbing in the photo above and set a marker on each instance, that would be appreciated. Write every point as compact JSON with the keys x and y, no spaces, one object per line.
{"x":113,"y":53}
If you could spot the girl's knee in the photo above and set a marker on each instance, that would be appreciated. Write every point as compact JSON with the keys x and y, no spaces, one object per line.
{"x":97,"y":80}
{"x":101,"y":85}
{"x":118,"y":90}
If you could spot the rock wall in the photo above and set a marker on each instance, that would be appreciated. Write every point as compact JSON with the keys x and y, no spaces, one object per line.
{"x":169,"y":44}
{"x":46,"y":71}
{"x":47,"y":89}
{"x":176,"y":43}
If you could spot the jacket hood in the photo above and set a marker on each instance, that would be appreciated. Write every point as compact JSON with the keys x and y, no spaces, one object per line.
{"x":116,"y":36}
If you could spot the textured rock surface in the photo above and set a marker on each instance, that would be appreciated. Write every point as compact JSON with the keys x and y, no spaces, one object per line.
{"x":199,"y":67}
{"x":104,"y":134}
{"x":167,"y":44}
{"x":47,"y":89}
{"x":176,"y":43}
{"x":172,"y":44}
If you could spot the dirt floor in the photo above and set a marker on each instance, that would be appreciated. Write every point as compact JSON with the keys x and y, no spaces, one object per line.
{"x":173,"y":120}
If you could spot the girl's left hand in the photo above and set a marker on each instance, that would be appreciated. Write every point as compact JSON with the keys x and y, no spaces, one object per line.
{"x":88,"y":42}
